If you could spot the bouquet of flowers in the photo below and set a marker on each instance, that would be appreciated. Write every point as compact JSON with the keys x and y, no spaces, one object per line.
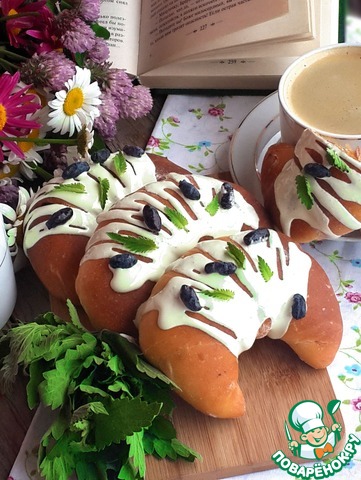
{"x":60,"y":97}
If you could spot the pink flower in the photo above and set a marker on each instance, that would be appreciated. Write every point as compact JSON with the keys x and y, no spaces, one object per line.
{"x":216,"y":111}
{"x":353,"y":297}
{"x":15,"y":105}
{"x":76,"y":35}
{"x":153,"y":142}
{"x":356,"y":404}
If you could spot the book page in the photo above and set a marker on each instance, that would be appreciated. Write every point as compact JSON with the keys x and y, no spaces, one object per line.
{"x":176,"y":28}
{"x":122,"y":19}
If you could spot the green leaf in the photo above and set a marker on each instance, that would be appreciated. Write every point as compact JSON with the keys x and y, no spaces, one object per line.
{"x":304,"y":191}
{"x":335,"y":160}
{"x":136,"y":451}
{"x":213,"y":206}
{"x":100,"y":31}
{"x":126,"y":416}
{"x":104,"y":186}
{"x":120,"y":164}
{"x":70,"y":187}
{"x":176,"y":218}
{"x":236,"y":253}
{"x":134,"y":244}
{"x":36,"y":370}
{"x":74,"y":317}
{"x":219,"y":294}
{"x":265,"y":269}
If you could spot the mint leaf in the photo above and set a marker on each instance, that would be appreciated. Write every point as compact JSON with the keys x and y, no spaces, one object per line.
{"x":236,"y":253}
{"x":134,"y":244}
{"x":219,"y":294}
{"x":136,"y":451}
{"x":120,"y":164}
{"x":304,"y":191}
{"x":125,"y":416}
{"x":104,"y":186}
{"x":70,"y":187}
{"x":335,"y":160}
{"x":213,"y":206}
{"x":265,"y":269}
{"x":176,"y":218}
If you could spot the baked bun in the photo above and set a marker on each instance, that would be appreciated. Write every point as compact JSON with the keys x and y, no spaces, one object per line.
{"x":213,"y":302}
{"x":144,"y":232}
{"x":332,"y":176}
{"x":62,"y":214}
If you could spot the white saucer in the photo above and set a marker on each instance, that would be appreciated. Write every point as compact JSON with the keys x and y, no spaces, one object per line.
{"x":256,"y":133}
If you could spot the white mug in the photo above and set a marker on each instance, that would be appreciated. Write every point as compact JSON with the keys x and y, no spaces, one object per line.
{"x":321,"y":91}
{"x":7,"y":278}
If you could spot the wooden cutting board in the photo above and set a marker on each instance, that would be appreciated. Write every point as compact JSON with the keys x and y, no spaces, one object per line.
{"x":273,"y":379}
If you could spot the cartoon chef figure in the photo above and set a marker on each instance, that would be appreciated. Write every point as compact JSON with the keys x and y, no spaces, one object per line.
{"x":319,"y":440}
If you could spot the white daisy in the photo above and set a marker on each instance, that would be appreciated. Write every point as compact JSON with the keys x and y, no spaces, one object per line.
{"x":75,"y":106}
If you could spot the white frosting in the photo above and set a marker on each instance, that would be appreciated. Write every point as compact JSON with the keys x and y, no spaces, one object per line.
{"x":125,"y":217}
{"x":244,"y":314}
{"x":86,"y":206}
{"x":325,"y":204}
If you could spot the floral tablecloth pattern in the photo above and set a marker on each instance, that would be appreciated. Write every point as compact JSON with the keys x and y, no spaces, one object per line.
{"x":195,"y":131}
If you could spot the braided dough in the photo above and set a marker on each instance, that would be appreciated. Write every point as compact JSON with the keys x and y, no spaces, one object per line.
{"x":199,"y":349}
{"x":336,"y":198}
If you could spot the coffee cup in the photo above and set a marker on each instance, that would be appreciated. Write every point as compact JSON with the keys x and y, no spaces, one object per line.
{"x":321,"y":91}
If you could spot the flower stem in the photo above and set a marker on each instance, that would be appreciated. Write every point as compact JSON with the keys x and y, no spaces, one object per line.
{"x":41,"y":141}
{"x":7,"y":64}
{"x":11,"y":54}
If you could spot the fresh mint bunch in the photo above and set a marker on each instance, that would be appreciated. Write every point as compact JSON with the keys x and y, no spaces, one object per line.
{"x":112,"y":407}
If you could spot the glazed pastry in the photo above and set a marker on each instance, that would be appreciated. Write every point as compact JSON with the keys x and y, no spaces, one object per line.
{"x":213,"y":302}
{"x":312,"y":191}
{"x":144,"y":232}
{"x":62,"y":214}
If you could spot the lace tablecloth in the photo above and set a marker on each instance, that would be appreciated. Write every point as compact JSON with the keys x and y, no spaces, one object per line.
{"x":195,"y":131}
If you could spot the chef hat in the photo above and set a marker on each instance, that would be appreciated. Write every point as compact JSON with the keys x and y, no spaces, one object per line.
{"x":305,"y":416}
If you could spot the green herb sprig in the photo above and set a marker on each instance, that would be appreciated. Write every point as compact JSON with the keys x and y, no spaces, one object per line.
{"x":134,"y":244}
{"x":120,"y":164}
{"x":304,"y":191}
{"x":264,"y":268}
{"x":70,"y":187}
{"x":236,"y":253}
{"x":213,"y":206}
{"x":176,"y":218}
{"x":104,"y":187}
{"x":335,"y":160}
{"x":112,"y":408}
{"x":222,"y":294}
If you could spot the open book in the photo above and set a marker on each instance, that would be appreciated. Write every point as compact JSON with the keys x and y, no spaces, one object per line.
{"x":215,"y":44}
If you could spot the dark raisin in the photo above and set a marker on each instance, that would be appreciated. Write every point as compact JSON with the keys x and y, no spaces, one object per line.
{"x":298,"y":306}
{"x":256,"y":236}
{"x":59,"y":218}
{"x":189,"y":190}
{"x":189,"y":298}
{"x":151,"y":218}
{"x":100,"y":155}
{"x":316,"y":170}
{"x":226,"y":198}
{"x":223,"y":268}
{"x":133,"y":151}
{"x":123,"y":260}
{"x":75,"y":169}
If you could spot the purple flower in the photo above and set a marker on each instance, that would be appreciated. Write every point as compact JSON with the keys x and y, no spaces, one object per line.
{"x":356,"y":404}
{"x":9,"y":194}
{"x":353,"y":297}
{"x":216,"y":112}
{"x":153,"y":142}
{"x":138,"y":104}
{"x":118,"y":84}
{"x":100,"y":51}
{"x":88,"y":9}
{"x":74,"y":33}
{"x":109,"y":114}
{"x":47,"y":70}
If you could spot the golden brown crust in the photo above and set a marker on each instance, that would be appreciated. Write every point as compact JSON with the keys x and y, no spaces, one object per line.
{"x":116,"y":311}
{"x":205,"y":369}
